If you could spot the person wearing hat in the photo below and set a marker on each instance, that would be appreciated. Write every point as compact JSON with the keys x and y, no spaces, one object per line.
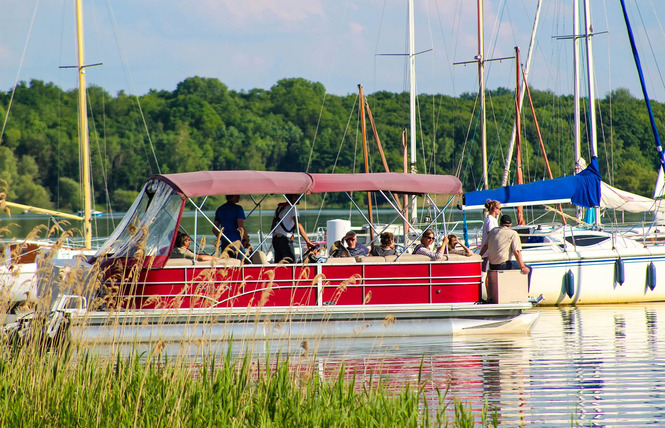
{"x":354,"y":247}
{"x":502,"y":242}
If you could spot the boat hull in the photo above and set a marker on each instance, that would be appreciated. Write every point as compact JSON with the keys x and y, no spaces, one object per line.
{"x":299,"y":323}
{"x":595,"y":277}
{"x":340,"y":283}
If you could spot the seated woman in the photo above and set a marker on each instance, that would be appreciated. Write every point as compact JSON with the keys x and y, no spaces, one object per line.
{"x":182,"y":251}
{"x":387,"y":247}
{"x":424,"y":247}
{"x":456,"y":247}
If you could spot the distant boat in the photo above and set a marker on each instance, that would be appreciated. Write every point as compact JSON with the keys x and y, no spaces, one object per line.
{"x":93,"y":213}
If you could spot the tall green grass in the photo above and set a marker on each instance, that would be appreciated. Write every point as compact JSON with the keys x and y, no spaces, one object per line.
{"x":66,"y":388}
{"x":47,"y":381}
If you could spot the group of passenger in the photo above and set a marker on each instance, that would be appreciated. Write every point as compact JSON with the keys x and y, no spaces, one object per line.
{"x":450,"y":245}
{"x":499,"y":242}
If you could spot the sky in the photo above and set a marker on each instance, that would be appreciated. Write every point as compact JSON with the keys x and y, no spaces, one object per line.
{"x":150,"y":44}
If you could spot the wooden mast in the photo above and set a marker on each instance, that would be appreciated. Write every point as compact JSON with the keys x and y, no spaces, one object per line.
{"x":83,"y":130}
{"x":511,"y":145}
{"x":540,"y":138}
{"x":363,"y":127}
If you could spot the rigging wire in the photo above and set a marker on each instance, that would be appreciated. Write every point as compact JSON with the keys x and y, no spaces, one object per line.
{"x":339,"y":151}
{"x":130,"y":79}
{"x":20,"y":67}
{"x":653,"y":54}
{"x":609,"y":157}
{"x":646,"y":34}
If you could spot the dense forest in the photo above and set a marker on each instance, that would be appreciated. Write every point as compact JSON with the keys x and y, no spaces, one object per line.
{"x":294,"y":126}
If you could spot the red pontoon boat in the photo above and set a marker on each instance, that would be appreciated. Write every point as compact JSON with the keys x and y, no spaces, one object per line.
{"x":398,"y":295}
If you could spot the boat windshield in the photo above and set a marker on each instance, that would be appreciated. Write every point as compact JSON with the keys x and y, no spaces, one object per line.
{"x":149,"y":226}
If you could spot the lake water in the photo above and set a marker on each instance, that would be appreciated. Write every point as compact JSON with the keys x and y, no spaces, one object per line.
{"x":595,"y":366}
{"x":592,"y":365}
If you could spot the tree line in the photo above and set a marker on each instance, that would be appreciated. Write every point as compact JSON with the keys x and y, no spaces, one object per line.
{"x":296,"y":126}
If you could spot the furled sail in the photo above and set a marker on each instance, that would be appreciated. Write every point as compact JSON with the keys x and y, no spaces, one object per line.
{"x":582,"y":189}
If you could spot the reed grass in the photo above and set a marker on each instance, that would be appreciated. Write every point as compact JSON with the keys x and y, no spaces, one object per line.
{"x":68,"y":388}
{"x":49,"y":381}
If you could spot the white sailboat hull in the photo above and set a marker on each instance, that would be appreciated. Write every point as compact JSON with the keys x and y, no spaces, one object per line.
{"x":594,"y":275}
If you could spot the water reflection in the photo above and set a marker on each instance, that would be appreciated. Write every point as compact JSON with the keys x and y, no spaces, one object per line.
{"x":594,"y":366}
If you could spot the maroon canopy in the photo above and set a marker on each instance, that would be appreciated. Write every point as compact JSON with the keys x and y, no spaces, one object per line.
{"x":208,"y":183}
{"x":203,"y":183}
{"x":390,"y":181}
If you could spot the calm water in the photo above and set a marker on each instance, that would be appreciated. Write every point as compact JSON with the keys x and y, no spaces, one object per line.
{"x":595,"y":366}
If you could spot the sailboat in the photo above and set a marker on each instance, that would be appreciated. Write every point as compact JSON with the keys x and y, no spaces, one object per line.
{"x":24,"y":260}
{"x":580,"y":265}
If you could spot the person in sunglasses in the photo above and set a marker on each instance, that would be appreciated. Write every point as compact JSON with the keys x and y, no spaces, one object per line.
{"x":427,"y":244}
{"x":354,"y":247}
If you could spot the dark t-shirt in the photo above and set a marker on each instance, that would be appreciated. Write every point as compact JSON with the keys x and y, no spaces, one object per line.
{"x":227,"y":216}
{"x":382,"y":252}
{"x":359,"y":250}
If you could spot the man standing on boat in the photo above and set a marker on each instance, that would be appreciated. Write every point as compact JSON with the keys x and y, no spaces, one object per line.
{"x":502,"y":242}
{"x":230,"y":220}
{"x":284,"y":225}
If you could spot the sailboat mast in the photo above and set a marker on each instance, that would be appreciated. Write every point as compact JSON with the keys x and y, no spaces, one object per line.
{"x":576,"y":94}
{"x":481,"y":89}
{"x":83,"y":129}
{"x":588,"y":32}
{"x":412,"y":102}
{"x":576,"y":85}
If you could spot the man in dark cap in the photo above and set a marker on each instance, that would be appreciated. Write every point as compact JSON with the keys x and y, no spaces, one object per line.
{"x":502,"y":242}
{"x":354,"y":247}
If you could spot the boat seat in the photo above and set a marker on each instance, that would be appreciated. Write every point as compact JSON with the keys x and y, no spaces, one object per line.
{"x":459,"y":257}
{"x":179,"y":262}
{"x":220,"y":262}
{"x":340,"y":260}
{"x":409,"y":258}
{"x":371,"y":259}
{"x":259,"y":258}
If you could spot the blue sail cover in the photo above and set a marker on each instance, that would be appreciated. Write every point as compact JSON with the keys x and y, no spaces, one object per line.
{"x":582,"y":190}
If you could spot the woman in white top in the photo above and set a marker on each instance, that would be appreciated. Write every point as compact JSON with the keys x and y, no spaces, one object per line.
{"x":493,"y":210}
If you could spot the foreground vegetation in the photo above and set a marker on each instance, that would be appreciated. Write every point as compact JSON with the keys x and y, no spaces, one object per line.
{"x":65,"y":389}
{"x":294,"y":126}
